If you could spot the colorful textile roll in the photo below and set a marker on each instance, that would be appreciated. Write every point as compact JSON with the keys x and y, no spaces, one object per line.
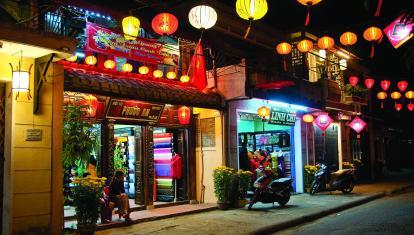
{"x":162,"y":145}
{"x":162,"y":140}
{"x":163,"y":170}
{"x":162,"y":150}
{"x":163,"y":156}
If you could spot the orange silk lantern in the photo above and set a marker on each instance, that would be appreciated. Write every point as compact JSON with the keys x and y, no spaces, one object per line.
{"x":395,"y":95}
{"x":353,"y":80}
{"x":348,"y":39}
{"x":184,"y":115}
{"x":402,"y":85}
{"x":409,"y":94}
{"x":369,"y":83}
{"x":90,"y":60}
{"x":164,"y":24}
{"x":109,"y":64}
{"x":373,"y":34}
{"x":305,"y":46}
{"x":326,"y":43}
{"x":308,"y":4}
{"x":382,"y":96}
{"x":308,"y":118}
{"x":283,"y":49}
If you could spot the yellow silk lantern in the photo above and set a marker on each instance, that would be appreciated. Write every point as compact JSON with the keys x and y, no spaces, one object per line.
{"x":130,"y":26}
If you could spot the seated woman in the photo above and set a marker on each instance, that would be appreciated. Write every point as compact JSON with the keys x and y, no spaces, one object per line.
{"x":118,"y":196}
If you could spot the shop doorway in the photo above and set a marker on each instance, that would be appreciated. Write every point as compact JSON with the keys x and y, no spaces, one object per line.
{"x":327,"y":146}
{"x":2,"y":127}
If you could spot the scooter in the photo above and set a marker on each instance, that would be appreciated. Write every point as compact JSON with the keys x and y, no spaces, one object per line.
{"x":268,"y":190}
{"x":343,"y":180}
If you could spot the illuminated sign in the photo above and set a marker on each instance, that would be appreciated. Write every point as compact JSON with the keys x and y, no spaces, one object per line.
{"x":134,"y":110}
{"x":398,"y":32}
{"x":282,"y":118}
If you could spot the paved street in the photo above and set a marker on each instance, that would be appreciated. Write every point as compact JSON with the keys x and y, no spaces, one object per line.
{"x":242,"y":221}
{"x":390,"y":215}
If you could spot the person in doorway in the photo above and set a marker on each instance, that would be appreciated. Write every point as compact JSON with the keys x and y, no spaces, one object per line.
{"x":92,"y":166}
{"x":118,"y":196}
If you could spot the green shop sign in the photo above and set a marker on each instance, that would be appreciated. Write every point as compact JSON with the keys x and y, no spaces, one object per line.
{"x":282,"y":118}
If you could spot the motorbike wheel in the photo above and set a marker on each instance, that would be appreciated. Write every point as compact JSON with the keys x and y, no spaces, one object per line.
{"x":314,"y":187}
{"x":250,"y":205}
{"x":348,"y":189}
{"x":285,"y":199}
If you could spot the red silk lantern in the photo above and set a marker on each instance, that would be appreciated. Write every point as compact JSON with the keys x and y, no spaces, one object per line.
{"x":385,"y":84}
{"x":372,"y":34}
{"x":410,"y":107}
{"x":326,"y":43}
{"x":398,"y":106}
{"x":348,"y":39}
{"x":369,"y":83}
{"x":353,"y":80}
{"x":402,"y":85}
{"x":164,"y":24}
{"x":283,"y":49}
{"x":184,"y":114}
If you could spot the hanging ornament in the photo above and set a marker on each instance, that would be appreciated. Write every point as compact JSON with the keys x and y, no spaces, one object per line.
{"x":143,"y":70}
{"x":323,"y":121}
{"x":263,"y":112}
{"x":373,"y":35}
{"x":90,"y":60}
{"x":410,"y":107}
{"x":369,"y":83}
{"x":308,"y":118}
{"x":382,"y":95}
{"x":184,"y":78}
{"x":398,"y":106}
{"x":164,"y":24}
{"x":326,"y":43}
{"x":251,"y":10}
{"x":184,"y":115}
{"x":109,"y":64}
{"x":127,"y":67}
{"x":171,"y":75}
{"x":308,"y":4}
{"x":395,"y":95}
{"x":158,"y":73}
{"x":202,"y":17}
{"x":284,"y":49}
{"x":353,"y":80}
{"x":305,"y":46}
{"x":357,"y":124}
{"x":409,"y":94}
{"x":385,"y":84}
{"x":402,"y":85}
{"x":130,"y":26}
{"x":377,"y":12}
{"x":348,"y":39}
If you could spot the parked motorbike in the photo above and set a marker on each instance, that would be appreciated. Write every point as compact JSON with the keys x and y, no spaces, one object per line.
{"x":268,"y":190}
{"x":343,"y":180}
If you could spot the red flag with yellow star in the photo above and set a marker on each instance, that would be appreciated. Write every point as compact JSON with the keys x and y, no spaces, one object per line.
{"x":198,"y":68}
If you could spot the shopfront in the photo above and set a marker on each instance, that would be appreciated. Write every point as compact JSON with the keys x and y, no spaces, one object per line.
{"x":281,"y":135}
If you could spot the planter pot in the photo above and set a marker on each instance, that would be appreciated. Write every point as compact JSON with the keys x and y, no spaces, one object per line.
{"x":223,"y":205}
{"x":242,"y":203}
{"x":86,"y":229}
{"x":307,"y":189}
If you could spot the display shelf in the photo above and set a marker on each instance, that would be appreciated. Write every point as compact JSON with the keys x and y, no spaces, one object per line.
{"x":163,"y":144}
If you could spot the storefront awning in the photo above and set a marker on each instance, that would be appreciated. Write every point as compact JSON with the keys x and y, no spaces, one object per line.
{"x":140,"y":89}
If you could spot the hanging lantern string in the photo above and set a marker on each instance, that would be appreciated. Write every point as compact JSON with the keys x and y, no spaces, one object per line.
{"x":246,"y":34}
{"x":377,"y":12}
{"x":308,"y":15}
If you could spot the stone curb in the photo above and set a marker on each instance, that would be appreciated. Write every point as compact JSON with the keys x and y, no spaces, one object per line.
{"x":317,"y":215}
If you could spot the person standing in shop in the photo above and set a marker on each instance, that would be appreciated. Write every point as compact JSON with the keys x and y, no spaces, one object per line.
{"x":92,"y":166}
{"x":118,"y":196}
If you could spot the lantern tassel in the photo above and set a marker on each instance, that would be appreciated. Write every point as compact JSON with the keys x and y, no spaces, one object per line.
{"x":246,"y":34}
{"x":382,"y":105}
{"x":377,"y":13}
{"x":284,"y":64}
{"x":307,"y":17}
{"x":372,"y":54}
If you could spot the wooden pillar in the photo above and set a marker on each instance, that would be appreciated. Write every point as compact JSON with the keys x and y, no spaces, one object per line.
{"x":108,"y":146}
{"x":139,"y":168}
{"x":148,"y":153}
{"x":192,"y":166}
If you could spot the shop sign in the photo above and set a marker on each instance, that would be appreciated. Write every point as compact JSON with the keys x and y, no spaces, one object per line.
{"x":33,"y":135}
{"x":399,"y":31}
{"x":282,"y":117}
{"x":134,"y":110}
{"x":105,"y":41}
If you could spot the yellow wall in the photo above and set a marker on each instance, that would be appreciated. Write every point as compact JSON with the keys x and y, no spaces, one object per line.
{"x":29,"y":162}
{"x":211,"y":156}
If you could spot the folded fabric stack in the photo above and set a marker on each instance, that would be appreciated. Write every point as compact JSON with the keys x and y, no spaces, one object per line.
{"x":162,"y":160}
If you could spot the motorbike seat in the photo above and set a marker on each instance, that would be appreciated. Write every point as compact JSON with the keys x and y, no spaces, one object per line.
{"x":340,"y":172}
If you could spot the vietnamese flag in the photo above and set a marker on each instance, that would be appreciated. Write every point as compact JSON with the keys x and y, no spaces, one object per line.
{"x":198,"y":75}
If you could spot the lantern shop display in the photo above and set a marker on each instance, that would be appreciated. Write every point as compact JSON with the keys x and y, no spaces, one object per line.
{"x":385,"y":84}
{"x":402,"y":85}
{"x":353,"y":80}
{"x":372,"y":35}
{"x":202,"y":17}
{"x":284,"y":49}
{"x":308,"y":4}
{"x":369,"y":83}
{"x":348,"y":39}
{"x":251,"y":10}
{"x":326,"y":43}
{"x":305,"y":46}
{"x":130,"y":27}
{"x":164,"y":24}
{"x":263,"y":112}
{"x":184,"y":115}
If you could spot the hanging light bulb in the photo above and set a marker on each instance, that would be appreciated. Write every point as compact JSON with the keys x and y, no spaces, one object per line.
{"x":322,"y":55}
{"x":202,"y":17}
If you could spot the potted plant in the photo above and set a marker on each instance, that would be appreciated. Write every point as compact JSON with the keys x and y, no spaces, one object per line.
{"x":87,"y":194}
{"x":222,"y":176}
{"x":244,"y":179}
{"x":308,"y":175}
